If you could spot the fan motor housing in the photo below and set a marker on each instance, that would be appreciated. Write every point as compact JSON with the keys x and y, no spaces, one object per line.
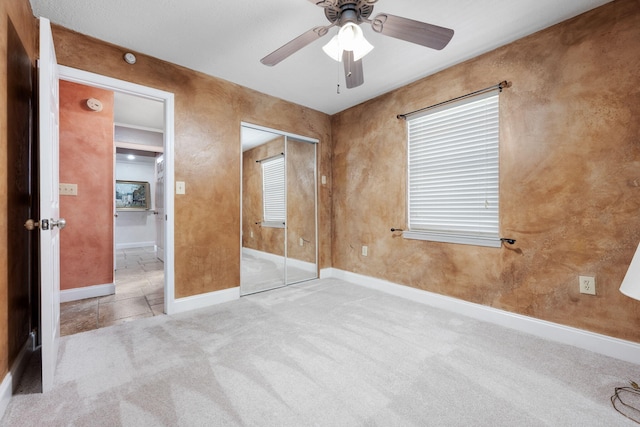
{"x":362,"y":9}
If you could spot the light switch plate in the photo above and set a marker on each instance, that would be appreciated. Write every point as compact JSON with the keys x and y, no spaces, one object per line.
{"x":180,"y":187}
{"x":68,"y":189}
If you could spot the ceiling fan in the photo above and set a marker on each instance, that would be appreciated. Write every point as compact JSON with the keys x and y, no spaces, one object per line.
{"x":349,"y":46}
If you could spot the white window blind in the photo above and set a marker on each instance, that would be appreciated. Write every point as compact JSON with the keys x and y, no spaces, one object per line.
{"x":273,"y":195}
{"x":453,"y":172}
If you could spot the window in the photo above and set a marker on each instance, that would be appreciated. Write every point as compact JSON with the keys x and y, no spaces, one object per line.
{"x":453,"y":172}
{"x":273,"y":195}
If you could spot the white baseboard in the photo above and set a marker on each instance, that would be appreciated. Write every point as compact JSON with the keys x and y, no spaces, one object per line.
{"x":613,"y":347}
{"x":87,"y":292}
{"x":328,"y":273}
{"x":120,"y":246}
{"x":195,"y":302}
{"x":279,"y":259}
{"x":302,"y":265}
{"x":11,"y":380}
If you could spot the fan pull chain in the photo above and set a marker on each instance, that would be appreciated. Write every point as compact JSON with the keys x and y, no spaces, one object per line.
{"x":338,"y":78}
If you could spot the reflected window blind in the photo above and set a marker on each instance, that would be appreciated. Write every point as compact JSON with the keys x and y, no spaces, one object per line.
{"x":453,"y":171}
{"x":273,"y":196}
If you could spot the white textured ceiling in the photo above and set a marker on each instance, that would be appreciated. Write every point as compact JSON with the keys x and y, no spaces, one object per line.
{"x":138,"y":112}
{"x":227,"y":39}
{"x":253,"y":137}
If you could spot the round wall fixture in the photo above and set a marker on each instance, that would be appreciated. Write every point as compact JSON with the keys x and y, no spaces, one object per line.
{"x":94,"y":104}
{"x":129,"y":58}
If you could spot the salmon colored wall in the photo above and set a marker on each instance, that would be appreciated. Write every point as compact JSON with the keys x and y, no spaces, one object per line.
{"x":86,"y":159}
{"x":208,"y":113}
{"x":20,"y":15}
{"x":569,"y":177}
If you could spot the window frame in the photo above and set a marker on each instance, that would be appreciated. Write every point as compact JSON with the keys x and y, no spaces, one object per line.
{"x":268,"y":218}
{"x":436,"y":233}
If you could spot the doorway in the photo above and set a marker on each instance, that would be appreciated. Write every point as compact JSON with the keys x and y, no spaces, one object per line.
{"x":137,"y":257}
{"x":138,"y":212}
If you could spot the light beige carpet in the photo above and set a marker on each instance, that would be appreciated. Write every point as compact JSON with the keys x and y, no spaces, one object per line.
{"x":323,"y":353}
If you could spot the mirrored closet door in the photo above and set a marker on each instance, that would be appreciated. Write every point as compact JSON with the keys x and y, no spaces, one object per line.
{"x":279,"y":204}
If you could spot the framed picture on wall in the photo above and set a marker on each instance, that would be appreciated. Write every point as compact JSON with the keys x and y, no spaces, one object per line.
{"x":132,"y":196}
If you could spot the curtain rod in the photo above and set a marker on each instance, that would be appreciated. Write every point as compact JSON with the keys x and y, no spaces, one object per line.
{"x":499,"y":86}
{"x":269,"y":158}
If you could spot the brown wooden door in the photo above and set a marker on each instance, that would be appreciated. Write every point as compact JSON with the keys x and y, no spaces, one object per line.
{"x":21,"y":181}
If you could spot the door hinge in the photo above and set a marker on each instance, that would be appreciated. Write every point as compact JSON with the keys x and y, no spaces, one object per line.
{"x":33,"y":338}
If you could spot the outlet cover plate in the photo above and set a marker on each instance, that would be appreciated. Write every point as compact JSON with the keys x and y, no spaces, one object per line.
{"x":68,"y":189}
{"x":587,"y":285}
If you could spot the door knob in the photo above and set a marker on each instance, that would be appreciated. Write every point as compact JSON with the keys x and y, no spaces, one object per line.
{"x":60,"y":223}
{"x":31,"y":224}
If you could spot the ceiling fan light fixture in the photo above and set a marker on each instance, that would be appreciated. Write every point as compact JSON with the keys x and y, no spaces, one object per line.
{"x":350,"y":38}
{"x":361,"y":49}
{"x":350,"y":46}
{"x":333,"y":50}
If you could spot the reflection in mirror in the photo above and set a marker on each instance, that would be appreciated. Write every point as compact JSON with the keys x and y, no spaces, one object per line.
{"x":301,"y":211}
{"x":279,"y":242}
{"x":263,"y":248}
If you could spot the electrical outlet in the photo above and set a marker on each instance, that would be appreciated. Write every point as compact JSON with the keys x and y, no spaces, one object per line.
{"x":68,"y":189}
{"x":365,"y":251}
{"x":251,"y":234}
{"x":301,"y":241}
{"x":587,"y":285}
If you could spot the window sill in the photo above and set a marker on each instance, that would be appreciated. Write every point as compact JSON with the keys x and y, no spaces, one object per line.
{"x":270,"y":224}
{"x":492,"y":242}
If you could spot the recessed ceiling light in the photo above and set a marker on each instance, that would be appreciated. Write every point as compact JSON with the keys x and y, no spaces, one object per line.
{"x":131,"y":157}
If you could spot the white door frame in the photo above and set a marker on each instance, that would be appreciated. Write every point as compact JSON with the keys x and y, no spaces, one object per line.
{"x":96,"y":80}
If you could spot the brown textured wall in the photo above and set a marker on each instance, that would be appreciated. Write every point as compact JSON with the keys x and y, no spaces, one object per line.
{"x":208,"y":112}
{"x":265,"y":239}
{"x":86,"y":159}
{"x":300,"y":201}
{"x":18,"y":12}
{"x":569,"y":177}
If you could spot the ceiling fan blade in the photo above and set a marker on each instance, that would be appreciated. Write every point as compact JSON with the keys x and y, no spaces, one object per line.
{"x":409,"y":30}
{"x":353,"y":73}
{"x":294,"y":45}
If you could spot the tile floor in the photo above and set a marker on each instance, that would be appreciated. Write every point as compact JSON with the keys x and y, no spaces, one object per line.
{"x":139,"y":293}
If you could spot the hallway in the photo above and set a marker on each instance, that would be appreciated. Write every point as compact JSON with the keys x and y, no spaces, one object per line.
{"x":139,"y":293}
